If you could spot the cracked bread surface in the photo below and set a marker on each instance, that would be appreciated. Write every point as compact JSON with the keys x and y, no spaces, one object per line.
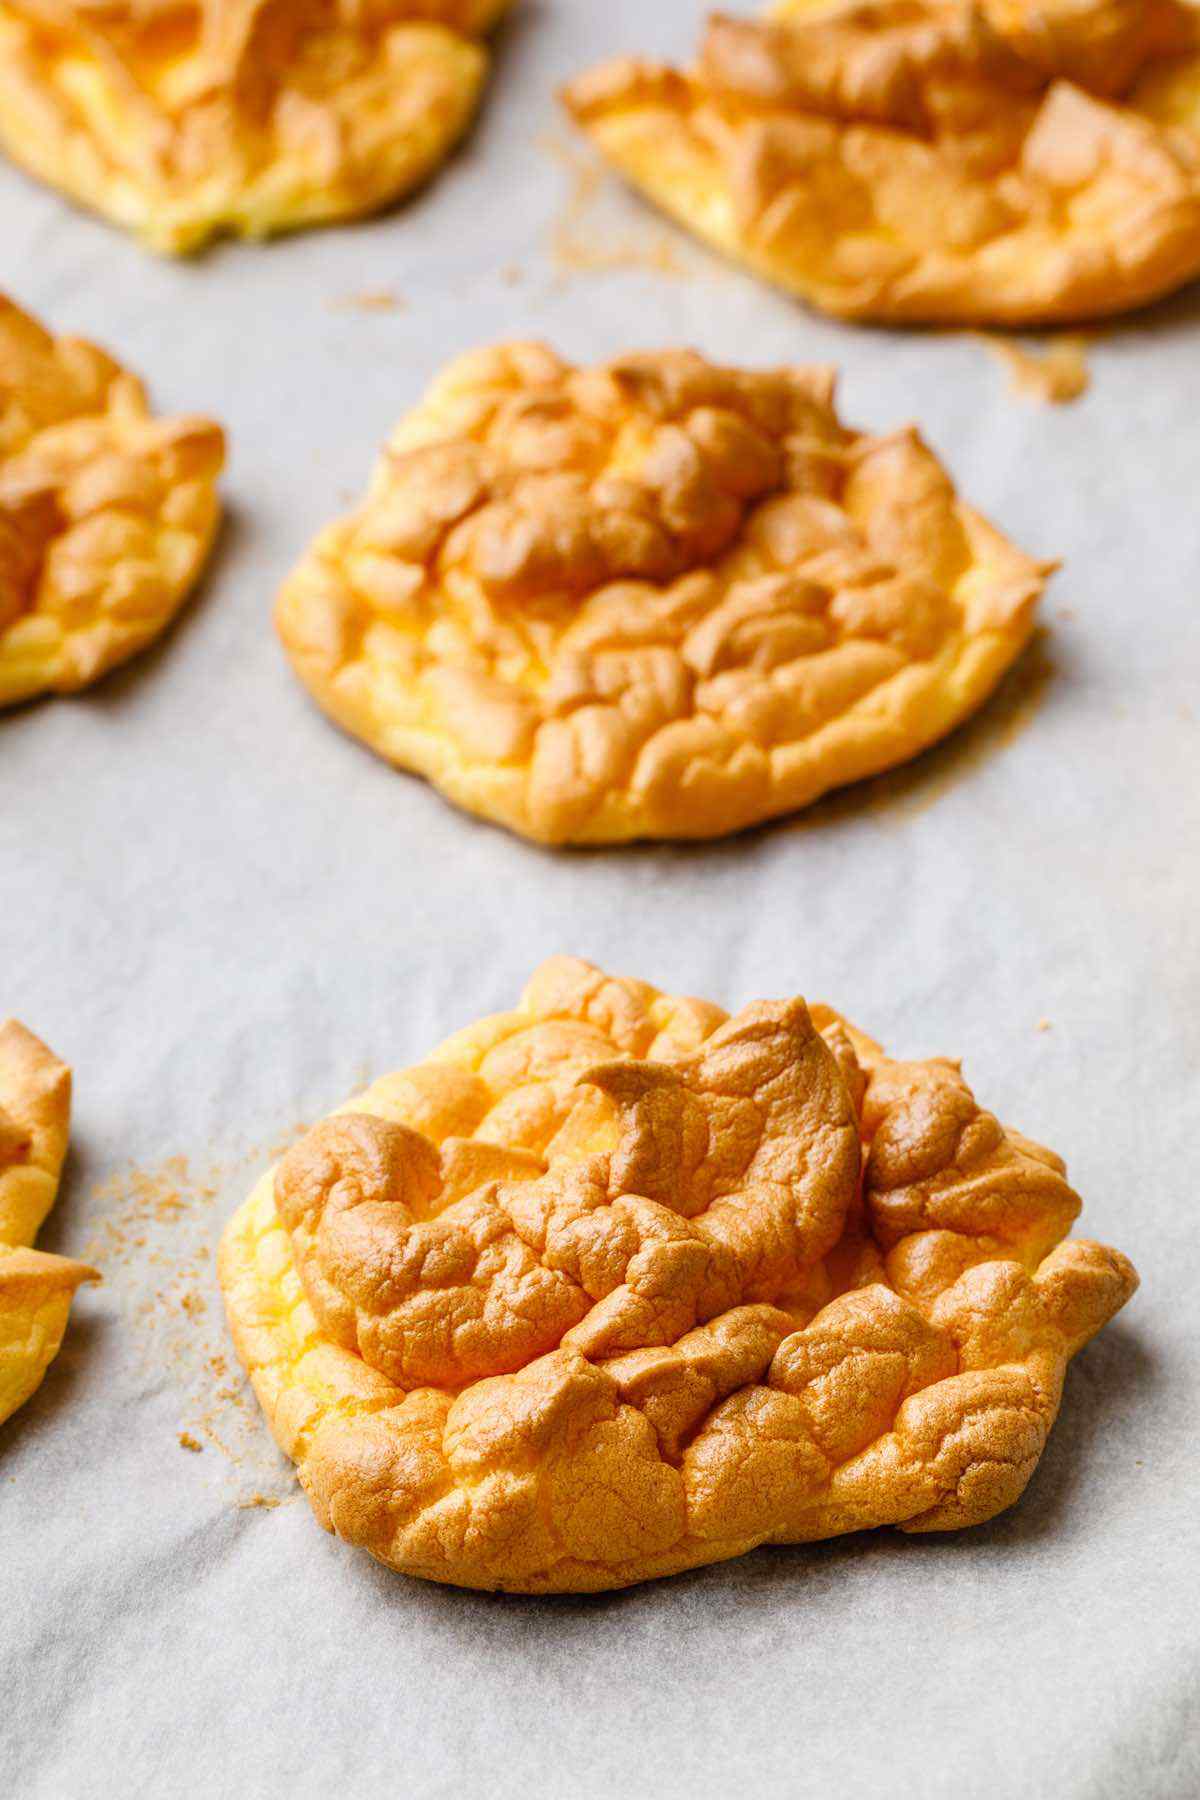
{"x":658,"y":598}
{"x":182,"y":120}
{"x":107,"y":514}
{"x":928,"y":161}
{"x":616,"y":1285}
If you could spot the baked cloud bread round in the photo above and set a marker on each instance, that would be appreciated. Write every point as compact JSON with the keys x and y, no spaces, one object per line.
{"x":106,"y":513}
{"x":36,"y":1290}
{"x":657,"y":598}
{"x":185,"y":119}
{"x":615,"y":1285}
{"x":928,"y":160}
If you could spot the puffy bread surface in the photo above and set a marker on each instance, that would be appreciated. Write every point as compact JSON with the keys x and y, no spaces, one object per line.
{"x":615,"y":1285}
{"x":106,"y":513}
{"x":184,"y":119}
{"x":35,"y":1289}
{"x":657,"y":598}
{"x":1004,"y":162}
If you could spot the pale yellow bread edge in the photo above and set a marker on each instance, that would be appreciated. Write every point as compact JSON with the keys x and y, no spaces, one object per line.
{"x":653,"y":150}
{"x":893,"y":723}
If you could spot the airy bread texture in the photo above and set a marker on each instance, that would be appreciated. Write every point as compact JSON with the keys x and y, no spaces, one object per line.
{"x":185,"y":119}
{"x":106,"y":514}
{"x":35,"y":1289}
{"x":652,"y":599}
{"x":938,"y":161}
{"x":615,"y":1285}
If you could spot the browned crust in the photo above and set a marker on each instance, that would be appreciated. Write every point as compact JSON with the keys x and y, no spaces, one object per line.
{"x":107,"y":514}
{"x":933,"y":163}
{"x":238,"y":128}
{"x":35,"y":1288}
{"x":657,"y":598}
{"x":35,"y":1118}
{"x":707,"y":1393}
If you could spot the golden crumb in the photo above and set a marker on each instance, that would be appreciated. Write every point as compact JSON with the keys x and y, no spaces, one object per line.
{"x":372,"y":300}
{"x":1055,"y":374}
{"x":155,"y":1229}
{"x":582,"y":245}
{"x":1045,"y":1025}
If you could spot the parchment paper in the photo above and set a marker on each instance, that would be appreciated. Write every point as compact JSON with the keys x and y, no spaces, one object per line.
{"x":226,"y":915}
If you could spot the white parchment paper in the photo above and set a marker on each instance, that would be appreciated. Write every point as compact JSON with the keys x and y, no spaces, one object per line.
{"x":226,"y":915}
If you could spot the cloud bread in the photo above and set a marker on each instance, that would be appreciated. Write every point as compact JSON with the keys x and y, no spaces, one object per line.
{"x":106,"y":514}
{"x":35,"y":1289}
{"x":928,"y":160}
{"x":183,"y":119}
{"x":657,"y":598}
{"x":615,"y":1285}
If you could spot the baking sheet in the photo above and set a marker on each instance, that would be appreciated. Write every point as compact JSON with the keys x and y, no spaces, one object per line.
{"x":226,"y":916}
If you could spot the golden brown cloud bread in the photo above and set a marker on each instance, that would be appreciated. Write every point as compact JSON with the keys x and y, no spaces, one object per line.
{"x":1005,"y":163}
{"x":106,"y":514}
{"x":615,"y":1285}
{"x":652,"y":599}
{"x":181,"y":121}
{"x":35,"y":1289}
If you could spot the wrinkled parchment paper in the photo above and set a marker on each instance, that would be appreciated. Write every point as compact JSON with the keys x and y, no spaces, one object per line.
{"x":226,"y":916}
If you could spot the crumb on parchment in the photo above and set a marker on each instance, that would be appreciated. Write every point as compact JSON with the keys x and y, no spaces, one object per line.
{"x":1055,"y":374}
{"x":580,"y":246}
{"x":155,"y":1232}
{"x":369,"y":300}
